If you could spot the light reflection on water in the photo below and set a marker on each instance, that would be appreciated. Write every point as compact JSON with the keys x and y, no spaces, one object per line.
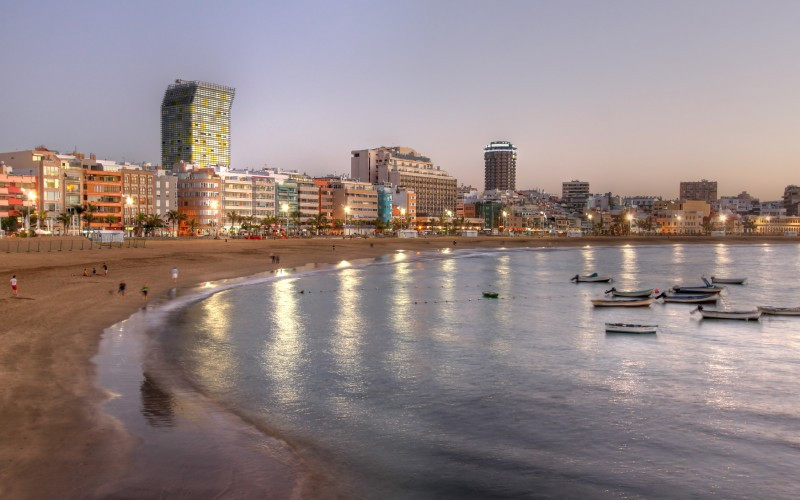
{"x":423,"y":389}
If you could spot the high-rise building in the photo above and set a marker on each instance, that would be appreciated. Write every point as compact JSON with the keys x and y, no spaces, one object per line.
{"x":699,"y":190}
{"x":403,"y":167}
{"x":196,"y":124}
{"x":500,"y":166}
{"x":791,"y":200}
{"x":574,"y":195}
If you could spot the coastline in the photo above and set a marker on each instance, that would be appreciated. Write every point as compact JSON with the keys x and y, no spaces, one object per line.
{"x":57,"y":440}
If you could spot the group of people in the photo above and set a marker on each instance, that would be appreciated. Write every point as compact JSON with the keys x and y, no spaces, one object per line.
{"x":94,"y":271}
{"x":145,"y":289}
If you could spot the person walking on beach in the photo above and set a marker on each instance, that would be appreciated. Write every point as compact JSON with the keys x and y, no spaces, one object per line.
{"x":85,"y":273}
{"x":144,"y":292}
{"x":272,"y":256}
{"x":121,"y":290}
{"x":174,"y":274}
{"x":105,"y":269}
{"x":14,"y":284}
{"x":94,"y":271}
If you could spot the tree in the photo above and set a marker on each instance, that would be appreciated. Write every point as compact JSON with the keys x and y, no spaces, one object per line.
{"x":598,"y":226}
{"x":380,"y":225}
{"x":707,"y":226}
{"x":645,"y":224}
{"x":338,"y":224}
{"x":319,"y":222}
{"x":65,"y":219}
{"x":9,"y":224}
{"x":192,"y":227}
{"x":88,"y":215}
{"x":749,"y":225}
{"x":151,"y":223}
{"x":140,"y":221}
{"x":234,"y":218}
{"x":110,"y":219}
{"x":173,"y":217}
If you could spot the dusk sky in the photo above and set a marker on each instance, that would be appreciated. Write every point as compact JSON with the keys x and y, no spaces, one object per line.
{"x":632,"y":96}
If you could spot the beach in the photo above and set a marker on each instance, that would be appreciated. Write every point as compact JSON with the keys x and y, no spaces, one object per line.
{"x":56,"y":440}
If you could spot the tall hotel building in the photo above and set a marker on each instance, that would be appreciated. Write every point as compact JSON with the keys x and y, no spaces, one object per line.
{"x":500,"y":166}
{"x":196,"y":124}
{"x":435,"y":189}
{"x":699,"y":190}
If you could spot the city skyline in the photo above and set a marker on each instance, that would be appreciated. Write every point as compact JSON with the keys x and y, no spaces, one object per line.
{"x":632,"y":98}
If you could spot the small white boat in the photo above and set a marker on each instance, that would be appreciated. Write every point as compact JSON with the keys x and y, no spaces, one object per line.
{"x":630,"y":293}
{"x":630,"y":328}
{"x":780,"y":311}
{"x":728,"y":281}
{"x":629,"y":302}
{"x":590,"y":278}
{"x":728,"y":314}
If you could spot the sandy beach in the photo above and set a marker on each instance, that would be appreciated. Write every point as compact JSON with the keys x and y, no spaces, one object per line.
{"x":55,"y":440}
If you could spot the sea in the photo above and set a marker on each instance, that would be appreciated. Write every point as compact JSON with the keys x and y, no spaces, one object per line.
{"x":395,"y":378}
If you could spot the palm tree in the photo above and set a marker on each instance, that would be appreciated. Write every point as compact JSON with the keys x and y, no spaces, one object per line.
{"x":192,"y":227}
{"x":172,"y":216}
{"x":140,"y":220}
{"x":234,"y":218}
{"x":319,"y":222}
{"x":64,"y":218}
{"x":88,"y":211}
{"x":151,"y":223}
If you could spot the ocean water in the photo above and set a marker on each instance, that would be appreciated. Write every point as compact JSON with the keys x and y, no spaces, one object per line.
{"x":400,"y":381}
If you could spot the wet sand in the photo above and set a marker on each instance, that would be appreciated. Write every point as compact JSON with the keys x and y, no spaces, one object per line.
{"x":55,"y":440}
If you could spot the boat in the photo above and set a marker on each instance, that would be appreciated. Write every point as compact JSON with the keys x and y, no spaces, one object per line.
{"x":491,"y":295}
{"x":630,"y":293}
{"x":685,"y":298}
{"x":697,"y":290}
{"x":780,"y":311}
{"x":590,"y":278}
{"x":626,"y":302}
{"x":728,"y":281}
{"x":728,"y":314}
{"x":630,"y":328}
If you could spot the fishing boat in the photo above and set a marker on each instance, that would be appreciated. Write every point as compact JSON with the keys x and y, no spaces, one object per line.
{"x":622,"y":302}
{"x":780,"y":311}
{"x":590,"y":278}
{"x":728,"y":281}
{"x":630,"y":328}
{"x":630,"y":293}
{"x":491,"y":295}
{"x":728,"y":314}
{"x":685,"y":298}
{"x":697,"y":290}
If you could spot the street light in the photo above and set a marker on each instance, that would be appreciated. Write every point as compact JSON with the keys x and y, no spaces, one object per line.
{"x":630,"y":222}
{"x":285,"y":210}
{"x":403,"y":218}
{"x":215,"y":222}
{"x":346,"y":212}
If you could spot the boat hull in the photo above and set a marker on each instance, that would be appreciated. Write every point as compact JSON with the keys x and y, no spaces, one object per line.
{"x":630,"y":328}
{"x":631,"y":293}
{"x":696,"y":290}
{"x":740,"y":315}
{"x":592,"y":279}
{"x":728,"y":281}
{"x":780,"y":311}
{"x":691,"y":299}
{"x":622,"y":302}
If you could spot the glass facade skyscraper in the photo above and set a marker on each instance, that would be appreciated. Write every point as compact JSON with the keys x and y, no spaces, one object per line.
{"x":500,"y":166}
{"x":196,"y":124}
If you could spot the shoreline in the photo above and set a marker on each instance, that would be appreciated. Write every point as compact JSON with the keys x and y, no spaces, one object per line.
{"x":57,"y":440}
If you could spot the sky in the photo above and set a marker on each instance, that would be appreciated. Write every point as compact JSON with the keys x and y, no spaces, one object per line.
{"x":632,"y":96}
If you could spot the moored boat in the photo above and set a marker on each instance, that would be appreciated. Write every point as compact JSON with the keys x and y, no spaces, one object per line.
{"x":491,"y":295}
{"x":697,"y":290}
{"x":622,"y":302}
{"x":685,"y":298}
{"x":780,"y":311}
{"x":728,"y":314}
{"x":728,"y":281}
{"x":630,"y":293}
{"x":590,"y":278}
{"x":630,"y":328}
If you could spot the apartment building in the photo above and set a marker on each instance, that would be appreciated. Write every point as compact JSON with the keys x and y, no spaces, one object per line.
{"x":165,"y":197}
{"x":703,"y":190}
{"x":574,"y":195}
{"x":103,"y":190}
{"x":681,"y":217}
{"x":325,"y":197}
{"x":199,"y":198}
{"x":404,"y":167}
{"x":138,"y":195}
{"x":354,"y":200}
{"x":17,"y":193}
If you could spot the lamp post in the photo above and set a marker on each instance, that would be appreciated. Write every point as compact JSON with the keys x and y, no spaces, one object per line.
{"x":591,"y":224}
{"x":630,"y":222}
{"x":403,"y":218}
{"x":285,"y":210}
{"x":449,"y":222}
{"x":505,"y":221}
{"x":215,"y":221}
{"x":346,"y":213}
